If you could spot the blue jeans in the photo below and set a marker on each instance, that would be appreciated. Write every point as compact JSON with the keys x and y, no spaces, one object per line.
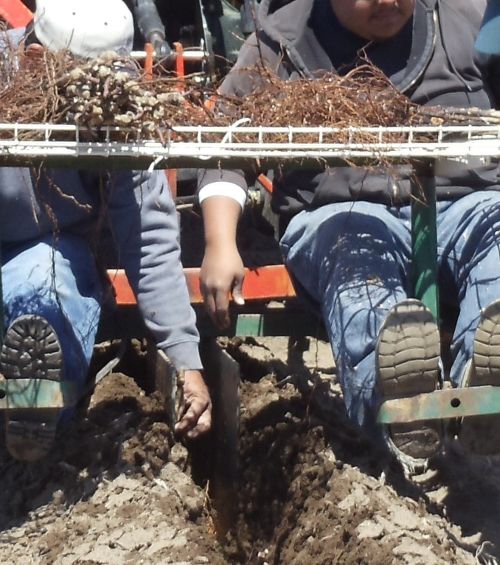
{"x":58,"y":280}
{"x":352,"y":261}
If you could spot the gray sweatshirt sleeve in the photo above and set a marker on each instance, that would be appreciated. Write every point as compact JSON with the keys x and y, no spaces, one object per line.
{"x":144,"y":223}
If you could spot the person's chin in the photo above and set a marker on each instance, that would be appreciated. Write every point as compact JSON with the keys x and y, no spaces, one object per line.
{"x":383,"y":33}
{"x":387,"y":25}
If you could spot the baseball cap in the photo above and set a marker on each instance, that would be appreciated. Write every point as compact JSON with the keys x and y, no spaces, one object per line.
{"x":87,"y":28}
{"x":488,"y":40}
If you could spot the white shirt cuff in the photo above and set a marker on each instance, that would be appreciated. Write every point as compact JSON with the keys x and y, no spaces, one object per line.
{"x":223,"y":188}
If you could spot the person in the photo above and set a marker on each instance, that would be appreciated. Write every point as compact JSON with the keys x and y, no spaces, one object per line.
{"x":488,"y":38}
{"x":52,"y":288}
{"x":346,"y":239}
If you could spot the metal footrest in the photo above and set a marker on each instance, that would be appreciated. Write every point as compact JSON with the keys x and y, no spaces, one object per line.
{"x":18,"y":394}
{"x":441,"y":404}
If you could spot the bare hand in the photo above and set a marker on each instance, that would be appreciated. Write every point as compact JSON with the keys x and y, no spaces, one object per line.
{"x":35,"y":50}
{"x":195,"y":414}
{"x":221,"y":276}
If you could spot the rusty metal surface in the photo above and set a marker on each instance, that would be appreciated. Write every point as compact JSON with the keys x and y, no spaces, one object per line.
{"x":164,"y":379}
{"x":18,"y":394}
{"x":223,"y":376}
{"x":441,"y":404}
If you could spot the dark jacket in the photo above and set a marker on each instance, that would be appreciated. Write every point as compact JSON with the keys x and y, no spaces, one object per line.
{"x":443,"y":69}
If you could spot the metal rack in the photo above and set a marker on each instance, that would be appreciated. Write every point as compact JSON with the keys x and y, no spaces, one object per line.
{"x":240,"y":145}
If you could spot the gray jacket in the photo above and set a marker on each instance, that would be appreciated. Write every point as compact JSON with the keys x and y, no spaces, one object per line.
{"x":443,"y":69}
{"x":138,"y":208}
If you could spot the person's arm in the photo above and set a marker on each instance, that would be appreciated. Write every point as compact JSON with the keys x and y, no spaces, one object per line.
{"x":222,"y":196}
{"x":222,"y":268}
{"x":143,"y":220}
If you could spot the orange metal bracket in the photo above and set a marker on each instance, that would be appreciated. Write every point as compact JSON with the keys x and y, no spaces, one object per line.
{"x":15,"y":13}
{"x":180,"y":72}
{"x":171,"y":174}
{"x":271,"y":282}
{"x":148,"y":61}
{"x":180,"y":69}
{"x":266,"y":183}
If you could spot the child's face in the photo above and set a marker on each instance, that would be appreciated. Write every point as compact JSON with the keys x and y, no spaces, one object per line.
{"x":375,"y":20}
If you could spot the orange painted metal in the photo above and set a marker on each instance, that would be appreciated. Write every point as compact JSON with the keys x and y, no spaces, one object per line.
{"x":15,"y":13}
{"x":180,"y":69}
{"x":266,"y":183}
{"x":171,"y":174}
{"x":172,"y":180}
{"x":210,"y":103}
{"x":148,"y":61}
{"x":124,"y":295}
{"x":271,"y":282}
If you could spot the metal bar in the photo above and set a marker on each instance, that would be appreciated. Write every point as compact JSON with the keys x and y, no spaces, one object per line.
{"x":15,"y":13}
{"x":148,"y":61}
{"x":223,"y":376}
{"x":18,"y":394}
{"x":424,"y":237}
{"x":250,"y":325}
{"x":177,"y":154}
{"x":187,"y":55}
{"x":441,"y":404}
{"x":441,"y":133}
{"x":352,"y":135}
{"x":264,"y":283}
{"x":163,"y":376}
{"x":447,"y":140}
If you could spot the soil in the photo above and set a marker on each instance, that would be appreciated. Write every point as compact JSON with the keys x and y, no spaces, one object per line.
{"x":120,"y":488}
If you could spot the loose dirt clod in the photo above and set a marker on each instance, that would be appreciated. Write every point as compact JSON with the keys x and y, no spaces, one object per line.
{"x":311,"y":490}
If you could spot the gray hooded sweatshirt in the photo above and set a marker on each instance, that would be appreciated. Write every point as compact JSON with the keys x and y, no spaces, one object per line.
{"x":442,"y":68}
{"x":140,"y":212}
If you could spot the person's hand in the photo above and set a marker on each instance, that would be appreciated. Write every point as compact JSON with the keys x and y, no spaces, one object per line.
{"x":221,"y":276}
{"x":195,"y":412}
{"x":34,"y":50}
{"x":30,"y":56}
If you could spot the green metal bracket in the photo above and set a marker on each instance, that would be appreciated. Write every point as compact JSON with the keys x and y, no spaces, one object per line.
{"x":441,"y":404}
{"x":250,"y":325}
{"x":16,"y":394}
{"x":424,"y":237}
{"x":291,"y":321}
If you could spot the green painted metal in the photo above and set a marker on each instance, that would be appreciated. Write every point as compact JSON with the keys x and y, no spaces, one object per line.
{"x":291,"y":321}
{"x":18,"y":394}
{"x":250,"y":325}
{"x":441,"y":404}
{"x":424,"y":237}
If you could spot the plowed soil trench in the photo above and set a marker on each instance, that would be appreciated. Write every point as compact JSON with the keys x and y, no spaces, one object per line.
{"x":311,"y":489}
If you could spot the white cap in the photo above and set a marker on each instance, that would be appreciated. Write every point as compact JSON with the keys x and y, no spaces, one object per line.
{"x":87,"y":28}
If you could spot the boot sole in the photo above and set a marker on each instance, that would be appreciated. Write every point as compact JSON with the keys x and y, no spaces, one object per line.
{"x":31,"y":350}
{"x":481,"y":434}
{"x":408,"y":353}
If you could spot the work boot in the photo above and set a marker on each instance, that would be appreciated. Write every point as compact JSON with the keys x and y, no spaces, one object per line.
{"x":481,"y":434}
{"x":31,"y":350}
{"x":408,"y":364}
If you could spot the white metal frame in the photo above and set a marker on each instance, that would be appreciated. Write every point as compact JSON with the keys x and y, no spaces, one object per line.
{"x":197,"y":145}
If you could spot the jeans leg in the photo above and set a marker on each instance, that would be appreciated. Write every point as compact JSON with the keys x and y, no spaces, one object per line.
{"x":469,"y":236}
{"x":352,"y":260}
{"x":57,"y":280}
